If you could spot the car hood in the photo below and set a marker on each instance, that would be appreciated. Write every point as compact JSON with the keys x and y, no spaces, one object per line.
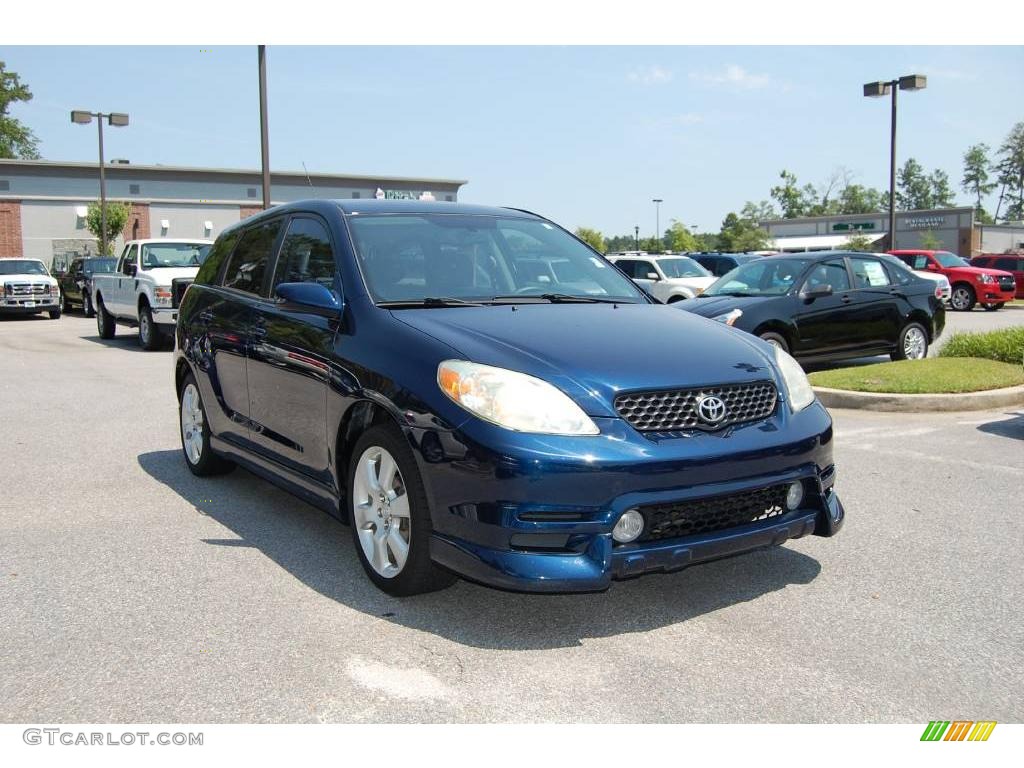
{"x":979,"y":271}
{"x":711,"y":306}
{"x":164,"y":275}
{"x":594,"y":351}
{"x":692,"y":282}
{"x":27,"y":278}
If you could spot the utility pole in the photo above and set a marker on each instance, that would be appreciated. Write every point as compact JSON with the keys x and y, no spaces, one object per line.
{"x":264,"y":132}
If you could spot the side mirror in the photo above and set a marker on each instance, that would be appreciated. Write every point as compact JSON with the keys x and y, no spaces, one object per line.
{"x":933,"y":267}
{"x":131,"y":269}
{"x":311,"y":297}
{"x":819,"y":292}
{"x":653,"y":276}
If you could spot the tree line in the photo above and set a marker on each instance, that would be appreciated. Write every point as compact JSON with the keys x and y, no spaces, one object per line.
{"x":984,"y":172}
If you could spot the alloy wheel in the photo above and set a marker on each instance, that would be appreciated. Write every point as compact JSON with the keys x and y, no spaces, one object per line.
{"x":915,"y":345}
{"x":961,"y":299}
{"x":380,"y":511}
{"x":192,"y":423}
{"x":144,"y":329}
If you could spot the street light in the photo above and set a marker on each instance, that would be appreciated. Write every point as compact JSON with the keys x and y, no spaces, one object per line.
{"x":636,"y":236}
{"x":883,"y":88}
{"x":657,"y":220}
{"x":118,"y":120}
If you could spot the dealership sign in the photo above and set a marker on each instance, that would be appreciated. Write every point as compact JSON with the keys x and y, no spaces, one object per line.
{"x":926,"y":222}
{"x":402,"y":194}
{"x":844,"y":226}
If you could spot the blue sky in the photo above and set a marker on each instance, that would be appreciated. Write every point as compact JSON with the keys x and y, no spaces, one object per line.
{"x":584,"y":135}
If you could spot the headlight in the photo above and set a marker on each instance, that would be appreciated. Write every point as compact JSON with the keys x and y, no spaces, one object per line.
{"x":729,"y":317}
{"x":983,"y":278}
{"x":797,"y":386}
{"x":162,"y":296}
{"x":512,"y":400}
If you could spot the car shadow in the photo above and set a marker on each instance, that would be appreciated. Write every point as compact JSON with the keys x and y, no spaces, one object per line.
{"x":318,"y":551}
{"x":125,"y":342}
{"x":1012,"y":427}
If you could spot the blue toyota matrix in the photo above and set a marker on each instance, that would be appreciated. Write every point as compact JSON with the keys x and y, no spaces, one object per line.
{"x":477,"y":393}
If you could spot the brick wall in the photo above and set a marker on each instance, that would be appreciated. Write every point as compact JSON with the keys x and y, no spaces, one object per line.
{"x":137,"y":226}
{"x":245,"y":211}
{"x":10,"y":229}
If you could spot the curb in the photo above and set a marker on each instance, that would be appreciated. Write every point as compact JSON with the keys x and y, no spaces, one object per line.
{"x":887,"y":401}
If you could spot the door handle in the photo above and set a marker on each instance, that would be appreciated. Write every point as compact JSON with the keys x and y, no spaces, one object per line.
{"x":846,"y":299}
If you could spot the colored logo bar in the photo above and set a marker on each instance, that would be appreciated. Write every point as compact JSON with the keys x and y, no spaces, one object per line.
{"x":958,"y":730}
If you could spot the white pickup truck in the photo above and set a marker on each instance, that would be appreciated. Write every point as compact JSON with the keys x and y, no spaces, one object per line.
{"x":146,"y":287}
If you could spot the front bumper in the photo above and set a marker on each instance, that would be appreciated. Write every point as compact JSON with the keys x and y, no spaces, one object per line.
{"x":28,"y":305}
{"x":165,"y":316}
{"x":535,"y":515}
{"x":993,"y":294}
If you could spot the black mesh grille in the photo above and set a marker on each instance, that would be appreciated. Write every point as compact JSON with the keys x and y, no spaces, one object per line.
{"x":1007,"y":283}
{"x":686,"y":518}
{"x":178,"y":287}
{"x":677,"y":409}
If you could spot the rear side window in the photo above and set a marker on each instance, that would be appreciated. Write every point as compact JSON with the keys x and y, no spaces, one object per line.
{"x":868,"y":273}
{"x":248,"y":264}
{"x":215,"y":258}
{"x":831,"y":273}
{"x":1007,"y":264}
{"x":306,"y":255}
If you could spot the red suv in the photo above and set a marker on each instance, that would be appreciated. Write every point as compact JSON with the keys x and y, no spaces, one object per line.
{"x":991,"y":288}
{"x":1007,"y":262}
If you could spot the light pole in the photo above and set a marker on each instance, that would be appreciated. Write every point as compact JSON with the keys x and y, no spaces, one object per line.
{"x":118,"y":120}
{"x":261,"y":54}
{"x":636,"y":236}
{"x":882,"y":88}
{"x":657,"y":220}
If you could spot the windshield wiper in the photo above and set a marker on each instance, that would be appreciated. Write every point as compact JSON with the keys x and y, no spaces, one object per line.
{"x":560,"y":298}
{"x":726,"y":293}
{"x":429,"y":301}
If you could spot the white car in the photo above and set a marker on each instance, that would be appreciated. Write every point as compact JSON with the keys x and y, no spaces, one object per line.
{"x":146,"y":287}
{"x":27,"y":288}
{"x":667,"y":277}
{"x":945,"y":289}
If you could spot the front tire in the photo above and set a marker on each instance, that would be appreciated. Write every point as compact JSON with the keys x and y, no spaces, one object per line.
{"x":776,"y":340}
{"x":150,"y":338}
{"x":912,"y":343}
{"x":195,"y":434}
{"x":105,"y":324}
{"x":390,"y":515}
{"x":54,"y":314}
{"x":963,"y":298}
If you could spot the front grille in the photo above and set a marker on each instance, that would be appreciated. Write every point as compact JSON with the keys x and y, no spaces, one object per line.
{"x":677,"y":409}
{"x":27,"y":289}
{"x":1007,"y":283}
{"x":178,"y":287}
{"x":687,"y":518}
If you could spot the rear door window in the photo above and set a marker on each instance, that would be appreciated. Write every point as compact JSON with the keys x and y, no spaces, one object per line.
{"x":247,"y":266}
{"x":868,"y":273}
{"x":831,"y":273}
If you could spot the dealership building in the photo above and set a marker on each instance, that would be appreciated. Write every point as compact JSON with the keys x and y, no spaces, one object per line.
{"x":955,"y":228}
{"x":43,"y":203}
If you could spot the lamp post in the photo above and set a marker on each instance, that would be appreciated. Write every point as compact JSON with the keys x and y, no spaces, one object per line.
{"x":883,"y":88}
{"x":657,"y":220}
{"x":636,"y":236}
{"x":118,"y":120}
{"x":261,"y":54}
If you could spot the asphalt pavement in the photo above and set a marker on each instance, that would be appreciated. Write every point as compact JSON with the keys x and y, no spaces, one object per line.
{"x":131,"y":591}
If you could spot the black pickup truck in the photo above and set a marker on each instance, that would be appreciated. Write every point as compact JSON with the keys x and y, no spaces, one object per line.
{"x":75,"y":283}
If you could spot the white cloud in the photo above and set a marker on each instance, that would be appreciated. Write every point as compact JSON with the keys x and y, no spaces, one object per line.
{"x":733,"y":76}
{"x":653,"y":75}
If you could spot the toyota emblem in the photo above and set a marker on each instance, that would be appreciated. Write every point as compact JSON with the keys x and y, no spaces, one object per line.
{"x":711,"y":409}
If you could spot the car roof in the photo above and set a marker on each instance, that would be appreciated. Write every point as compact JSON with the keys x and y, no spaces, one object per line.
{"x":147,"y":240}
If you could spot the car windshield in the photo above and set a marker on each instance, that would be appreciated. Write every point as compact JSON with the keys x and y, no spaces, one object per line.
{"x":949,"y":260}
{"x":682,"y":267}
{"x":99,"y":265}
{"x":156,"y":255}
{"x":764,"y":277}
{"x":473,"y":258}
{"x":22,"y":267}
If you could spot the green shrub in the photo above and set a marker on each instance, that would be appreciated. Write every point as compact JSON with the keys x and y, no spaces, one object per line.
{"x":1006,"y":345}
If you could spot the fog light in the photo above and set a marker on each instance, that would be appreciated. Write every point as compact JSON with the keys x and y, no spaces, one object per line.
{"x":794,"y":495}
{"x":629,"y":526}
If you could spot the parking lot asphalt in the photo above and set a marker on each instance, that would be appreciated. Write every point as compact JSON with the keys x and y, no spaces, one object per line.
{"x":131,"y":591}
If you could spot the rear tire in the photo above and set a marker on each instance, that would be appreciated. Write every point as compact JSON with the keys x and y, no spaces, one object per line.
{"x":54,"y":314}
{"x":963,"y":298}
{"x":776,"y":340}
{"x":193,"y":427}
{"x":105,"y":324}
{"x":87,"y":309}
{"x":912,"y":343}
{"x":676,"y":299}
{"x":404,"y":521}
